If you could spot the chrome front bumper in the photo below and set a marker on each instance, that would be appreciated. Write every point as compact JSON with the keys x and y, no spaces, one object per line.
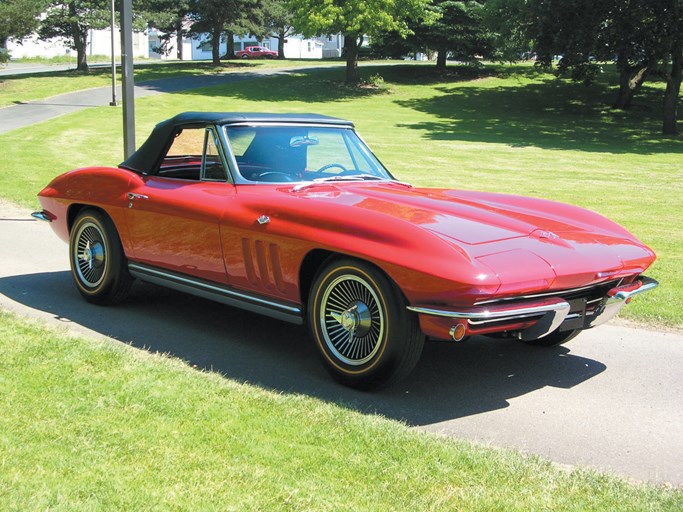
{"x":42,"y":215}
{"x":546,"y":314}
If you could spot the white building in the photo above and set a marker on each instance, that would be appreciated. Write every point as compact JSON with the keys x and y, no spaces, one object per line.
{"x":296,"y":46}
{"x":146,"y":43}
{"x":99,"y":43}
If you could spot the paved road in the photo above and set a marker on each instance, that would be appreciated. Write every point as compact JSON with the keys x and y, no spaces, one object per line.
{"x":29,"y":68}
{"x":26,"y":114}
{"x":610,"y":399}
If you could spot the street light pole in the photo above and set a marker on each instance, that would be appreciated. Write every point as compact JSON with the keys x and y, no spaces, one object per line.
{"x":127,"y":76}
{"x":113,"y":57}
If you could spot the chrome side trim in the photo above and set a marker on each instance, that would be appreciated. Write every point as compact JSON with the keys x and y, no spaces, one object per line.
{"x":41,"y":215}
{"x":217,"y":292}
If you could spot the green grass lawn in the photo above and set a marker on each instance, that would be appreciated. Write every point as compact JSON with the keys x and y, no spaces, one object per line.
{"x":503,"y":129}
{"x":94,"y":425}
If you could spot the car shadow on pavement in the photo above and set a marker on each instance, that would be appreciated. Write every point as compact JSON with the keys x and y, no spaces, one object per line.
{"x":450,"y":381}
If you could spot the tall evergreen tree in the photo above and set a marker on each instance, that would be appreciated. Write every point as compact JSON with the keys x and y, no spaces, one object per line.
{"x":19,"y":18}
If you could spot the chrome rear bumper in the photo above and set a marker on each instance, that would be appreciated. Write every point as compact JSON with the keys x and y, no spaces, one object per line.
{"x":547,"y":314}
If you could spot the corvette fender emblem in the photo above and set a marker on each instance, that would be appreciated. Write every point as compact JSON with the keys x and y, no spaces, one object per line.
{"x":548,"y":234}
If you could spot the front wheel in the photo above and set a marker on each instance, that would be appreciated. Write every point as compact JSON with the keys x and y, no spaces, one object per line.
{"x":98,"y":264}
{"x":359,"y":321}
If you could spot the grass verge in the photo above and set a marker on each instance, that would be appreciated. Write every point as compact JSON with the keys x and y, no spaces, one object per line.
{"x":504,"y":129}
{"x":90,"y":425}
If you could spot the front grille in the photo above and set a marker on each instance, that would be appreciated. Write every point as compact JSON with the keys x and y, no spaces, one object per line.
{"x":591,"y":293}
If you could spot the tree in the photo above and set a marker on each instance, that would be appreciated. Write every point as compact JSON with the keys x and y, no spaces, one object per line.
{"x":222,"y":19}
{"x":278,"y":21}
{"x":673,"y":70}
{"x":72,"y":20}
{"x":19,"y":18}
{"x":355,"y":19}
{"x":642,"y":38}
{"x":169,"y":17}
{"x":456,"y":28}
{"x":508,"y":24}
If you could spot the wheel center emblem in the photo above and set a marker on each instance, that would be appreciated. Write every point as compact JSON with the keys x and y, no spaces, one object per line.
{"x":86,"y":255}
{"x":349,"y":320}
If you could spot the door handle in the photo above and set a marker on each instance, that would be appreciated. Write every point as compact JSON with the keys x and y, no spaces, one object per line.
{"x":133,"y":196}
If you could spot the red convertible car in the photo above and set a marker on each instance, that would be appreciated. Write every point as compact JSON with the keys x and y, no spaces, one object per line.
{"x":292,"y":216}
{"x":256,"y":52}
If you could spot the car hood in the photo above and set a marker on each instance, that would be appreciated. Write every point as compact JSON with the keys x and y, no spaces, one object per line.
{"x":504,"y":232}
{"x":471,"y":218}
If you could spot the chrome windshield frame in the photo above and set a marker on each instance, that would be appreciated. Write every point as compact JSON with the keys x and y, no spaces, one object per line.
{"x":238,"y":178}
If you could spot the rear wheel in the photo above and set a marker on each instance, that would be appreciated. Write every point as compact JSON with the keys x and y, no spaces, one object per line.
{"x":554,"y":338}
{"x":98,"y":264}
{"x":359,"y":321}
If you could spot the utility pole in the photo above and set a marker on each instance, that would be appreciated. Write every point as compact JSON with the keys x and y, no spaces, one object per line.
{"x":113,"y":57}
{"x":127,"y":75}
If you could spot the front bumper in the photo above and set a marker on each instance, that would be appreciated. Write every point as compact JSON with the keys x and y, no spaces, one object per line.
{"x":533,"y":318}
{"x":43,"y":215}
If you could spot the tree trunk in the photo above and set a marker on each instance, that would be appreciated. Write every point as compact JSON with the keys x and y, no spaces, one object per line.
{"x":281,"y":35}
{"x":631,"y":79}
{"x":544,"y":60}
{"x":673,"y":88}
{"x":216,"y":44}
{"x":81,"y":43}
{"x":179,"y":40}
{"x":80,"y":38}
{"x":230,"y":54}
{"x":441,"y":55}
{"x":351,"y":50}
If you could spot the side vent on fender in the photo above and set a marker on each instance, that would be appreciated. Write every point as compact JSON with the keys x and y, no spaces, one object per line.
{"x":262,"y":264}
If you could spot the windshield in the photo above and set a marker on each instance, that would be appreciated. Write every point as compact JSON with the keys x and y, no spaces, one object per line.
{"x":296,"y":153}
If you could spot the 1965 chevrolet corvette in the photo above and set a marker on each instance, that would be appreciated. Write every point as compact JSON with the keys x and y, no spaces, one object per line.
{"x":292,"y":216}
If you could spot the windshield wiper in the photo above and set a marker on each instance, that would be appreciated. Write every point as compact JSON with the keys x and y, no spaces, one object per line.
{"x":349,"y":177}
{"x":352,"y":177}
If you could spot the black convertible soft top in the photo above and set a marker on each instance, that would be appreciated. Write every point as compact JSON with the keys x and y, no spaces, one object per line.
{"x":145,"y":159}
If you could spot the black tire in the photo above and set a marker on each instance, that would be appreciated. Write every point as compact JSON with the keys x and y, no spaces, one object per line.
{"x":245,"y":56}
{"x":554,"y":338}
{"x":98,"y":264}
{"x":359,"y":322}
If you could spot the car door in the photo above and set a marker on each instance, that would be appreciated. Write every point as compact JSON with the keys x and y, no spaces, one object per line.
{"x":174,"y":216}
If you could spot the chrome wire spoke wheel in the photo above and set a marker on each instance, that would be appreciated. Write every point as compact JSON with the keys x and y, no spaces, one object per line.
{"x":90,"y":255}
{"x":352,"y":320}
{"x":358,"y":319}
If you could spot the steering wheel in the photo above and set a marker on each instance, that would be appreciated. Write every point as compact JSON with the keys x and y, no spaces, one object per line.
{"x":274,"y":177}
{"x":332,"y":166}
